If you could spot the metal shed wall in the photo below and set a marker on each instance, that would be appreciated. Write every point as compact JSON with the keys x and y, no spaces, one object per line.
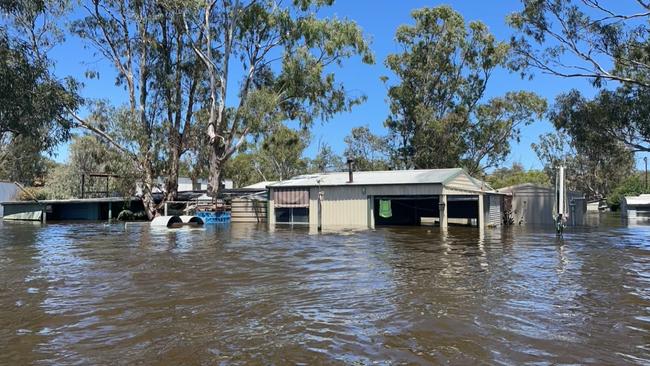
{"x":535,"y":205}
{"x":493,"y":209}
{"x":347,"y":206}
{"x":248,"y":210}
{"x":8,"y":192}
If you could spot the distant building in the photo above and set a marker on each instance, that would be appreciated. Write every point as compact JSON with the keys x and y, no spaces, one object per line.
{"x":375,"y":198}
{"x":636,"y":206}
{"x":186,"y":185}
{"x":530,"y":203}
{"x":596,"y":206}
{"x":8,"y":192}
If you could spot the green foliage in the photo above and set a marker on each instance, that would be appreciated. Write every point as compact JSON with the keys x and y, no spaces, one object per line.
{"x":288,"y":54}
{"x":33,"y":106}
{"x":439,"y":118}
{"x":23,"y":161}
{"x":578,"y":38}
{"x":243,"y":170}
{"x":277,"y":156}
{"x":370,"y":152}
{"x":592,"y":169}
{"x":89,"y":155}
{"x":633,"y":185}
{"x":32,"y":193}
{"x":505,"y":177}
{"x":612,"y":118}
{"x":326,"y":160}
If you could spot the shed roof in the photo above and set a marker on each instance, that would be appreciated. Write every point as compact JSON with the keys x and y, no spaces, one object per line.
{"x":641,"y":200}
{"x":73,"y":200}
{"x":260,"y":185}
{"x":383,"y":177}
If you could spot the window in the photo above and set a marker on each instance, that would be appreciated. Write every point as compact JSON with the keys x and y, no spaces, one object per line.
{"x":292,"y":215}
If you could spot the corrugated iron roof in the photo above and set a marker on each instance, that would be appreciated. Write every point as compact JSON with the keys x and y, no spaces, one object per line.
{"x":419,"y":176}
{"x":260,"y":185}
{"x":641,"y":200}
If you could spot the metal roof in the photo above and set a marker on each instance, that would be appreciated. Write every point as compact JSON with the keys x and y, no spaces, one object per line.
{"x":72,"y":200}
{"x":641,"y":200}
{"x":419,"y":176}
{"x":260,"y":185}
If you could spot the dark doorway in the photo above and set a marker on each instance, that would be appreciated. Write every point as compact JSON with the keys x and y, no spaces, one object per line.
{"x":406,"y":210}
{"x":409,"y":210}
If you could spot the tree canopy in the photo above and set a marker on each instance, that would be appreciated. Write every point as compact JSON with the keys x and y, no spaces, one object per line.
{"x":287,"y":54}
{"x":34,"y":104}
{"x":583,"y":39}
{"x":439,"y":113}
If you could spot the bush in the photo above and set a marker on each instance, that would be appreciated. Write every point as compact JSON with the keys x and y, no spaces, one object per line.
{"x":632,"y":186}
{"x":128,"y":215}
{"x":31,"y":193}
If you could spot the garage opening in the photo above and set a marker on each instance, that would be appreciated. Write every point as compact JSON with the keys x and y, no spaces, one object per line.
{"x":424,"y":210}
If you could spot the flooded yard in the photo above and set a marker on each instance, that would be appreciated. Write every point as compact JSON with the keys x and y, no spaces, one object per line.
{"x":110,"y":294}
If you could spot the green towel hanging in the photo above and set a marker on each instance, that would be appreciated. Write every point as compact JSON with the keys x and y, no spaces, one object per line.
{"x":385,"y":210}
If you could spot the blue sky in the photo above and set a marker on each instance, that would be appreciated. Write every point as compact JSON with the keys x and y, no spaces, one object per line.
{"x":379,"y":20}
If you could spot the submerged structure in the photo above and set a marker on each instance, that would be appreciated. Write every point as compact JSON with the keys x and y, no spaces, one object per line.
{"x":8,"y":193}
{"x":370,"y":199}
{"x":636,"y":206}
{"x":69,"y":209}
{"x":536,"y":204}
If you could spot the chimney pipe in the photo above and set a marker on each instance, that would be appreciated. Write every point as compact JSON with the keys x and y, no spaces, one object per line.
{"x":350,"y":174}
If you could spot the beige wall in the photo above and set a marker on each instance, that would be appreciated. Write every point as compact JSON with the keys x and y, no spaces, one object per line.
{"x":462,"y":182}
{"x":347,"y":206}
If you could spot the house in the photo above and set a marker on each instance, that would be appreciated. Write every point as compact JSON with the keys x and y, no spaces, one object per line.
{"x":636,"y":206}
{"x":530,"y":203}
{"x":370,"y":199}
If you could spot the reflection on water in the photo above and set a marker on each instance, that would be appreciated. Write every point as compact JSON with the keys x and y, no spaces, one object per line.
{"x":96,"y":294}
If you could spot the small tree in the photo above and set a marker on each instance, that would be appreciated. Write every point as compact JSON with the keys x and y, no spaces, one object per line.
{"x":370,"y":152}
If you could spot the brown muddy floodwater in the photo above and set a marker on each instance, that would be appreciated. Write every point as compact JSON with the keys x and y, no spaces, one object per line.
{"x":89,"y":294}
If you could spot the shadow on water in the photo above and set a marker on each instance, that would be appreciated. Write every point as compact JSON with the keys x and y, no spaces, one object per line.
{"x":240,"y":294}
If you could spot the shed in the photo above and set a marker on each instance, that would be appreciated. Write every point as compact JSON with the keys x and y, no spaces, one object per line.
{"x":369,"y":199}
{"x":535,"y":204}
{"x":69,"y":209}
{"x":636,"y":206}
{"x":8,"y":192}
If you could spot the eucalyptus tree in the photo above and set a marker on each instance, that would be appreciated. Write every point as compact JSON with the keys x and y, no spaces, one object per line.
{"x":595,"y":169}
{"x":34,"y":103}
{"x":598,"y":40}
{"x":146,"y":43}
{"x":439,"y":115}
{"x":370,"y":152}
{"x":278,"y":155}
{"x":326,"y":160}
{"x":268,"y":62}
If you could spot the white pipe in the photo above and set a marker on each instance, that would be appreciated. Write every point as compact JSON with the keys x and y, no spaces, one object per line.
{"x":560,"y":206}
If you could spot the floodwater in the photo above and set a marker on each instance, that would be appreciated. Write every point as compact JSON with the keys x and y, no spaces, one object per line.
{"x":97,"y":294}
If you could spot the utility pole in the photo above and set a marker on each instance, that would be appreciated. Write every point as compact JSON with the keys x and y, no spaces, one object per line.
{"x":645,"y":159}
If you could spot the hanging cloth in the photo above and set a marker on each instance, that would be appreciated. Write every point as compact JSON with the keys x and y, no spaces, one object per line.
{"x":385,"y":210}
